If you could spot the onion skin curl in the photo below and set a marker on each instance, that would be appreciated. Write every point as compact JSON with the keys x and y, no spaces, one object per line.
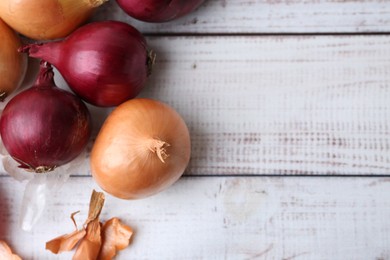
{"x":142,"y":148}
{"x":44,"y":127}
{"x":13,"y":65}
{"x":158,"y":11}
{"x":47,"y":19}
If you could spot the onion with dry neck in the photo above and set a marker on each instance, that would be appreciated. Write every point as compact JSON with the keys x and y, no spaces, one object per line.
{"x":105,"y":63}
{"x":13,"y":64}
{"x":142,"y":148}
{"x":44,"y":127}
{"x":47,"y":19}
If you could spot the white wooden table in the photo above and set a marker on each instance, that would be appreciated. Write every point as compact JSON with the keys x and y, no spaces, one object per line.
{"x":288,"y":105}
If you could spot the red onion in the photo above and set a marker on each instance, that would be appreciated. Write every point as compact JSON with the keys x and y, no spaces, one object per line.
{"x":158,"y":10}
{"x":44,"y":127}
{"x":105,"y":63}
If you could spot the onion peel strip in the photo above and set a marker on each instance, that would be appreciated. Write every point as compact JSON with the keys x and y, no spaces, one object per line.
{"x":94,"y":240}
{"x":116,"y":236}
{"x":90,"y":244}
{"x":95,"y":206}
{"x":65,"y":242}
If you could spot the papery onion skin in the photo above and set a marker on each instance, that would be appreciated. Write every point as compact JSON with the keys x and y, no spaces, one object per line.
{"x":123,"y":159}
{"x":157,"y":11}
{"x":44,"y":127}
{"x":47,"y":19}
{"x":13,"y":65}
{"x":6,"y":252}
{"x":116,"y":236}
{"x":105,"y":63}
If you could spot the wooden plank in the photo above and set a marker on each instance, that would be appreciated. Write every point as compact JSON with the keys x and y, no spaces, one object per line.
{"x":269,"y":16}
{"x":224,"y":218}
{"x":278,"y":104}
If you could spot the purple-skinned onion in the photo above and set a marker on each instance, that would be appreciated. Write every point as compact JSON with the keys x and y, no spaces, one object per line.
{"x":105,"y":63}
{"x":44,"y":127}
{"x":157,"y":11}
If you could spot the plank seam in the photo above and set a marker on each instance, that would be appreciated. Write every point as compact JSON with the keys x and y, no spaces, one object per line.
{"x":243,"y":34}
{"x":260,"y":176}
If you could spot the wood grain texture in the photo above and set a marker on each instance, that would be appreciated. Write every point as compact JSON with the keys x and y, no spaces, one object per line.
{"x":225,"y":218}
{"x":269,"y":16}
{"x":256,"y":103}
{"x":278,"y":104}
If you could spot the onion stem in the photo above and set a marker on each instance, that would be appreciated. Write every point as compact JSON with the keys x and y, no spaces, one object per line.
{"x":159,"y":147}
{"x":95,"y":206}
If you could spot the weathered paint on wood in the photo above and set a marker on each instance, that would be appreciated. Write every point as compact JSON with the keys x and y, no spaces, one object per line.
{"x":269,"y":16}
{"x":255,"y":104}
{"x":277,"y":105}
{"x":224,"y":218}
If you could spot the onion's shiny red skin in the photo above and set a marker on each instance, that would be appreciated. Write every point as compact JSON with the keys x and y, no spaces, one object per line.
{"x":44,"y":127}
{"x":157,"y":11}
{"x":105,"y":63}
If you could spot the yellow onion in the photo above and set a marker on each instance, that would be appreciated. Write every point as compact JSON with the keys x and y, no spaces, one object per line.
{"x":13,"y":64}
{"x":142,"y":148}
{"x":47,"y":19}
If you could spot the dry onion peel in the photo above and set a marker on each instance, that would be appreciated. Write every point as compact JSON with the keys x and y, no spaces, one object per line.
{"x":6,"y":252}
{"x":94,"y":241}
{"x":47,"y":19}
{"x":95,"y":206}
{"x":116,"y":236}
{"x":13,"y":65}
{"x":90,"y":244}
{"x":65,"y":242}
{"x":68,"y":241}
